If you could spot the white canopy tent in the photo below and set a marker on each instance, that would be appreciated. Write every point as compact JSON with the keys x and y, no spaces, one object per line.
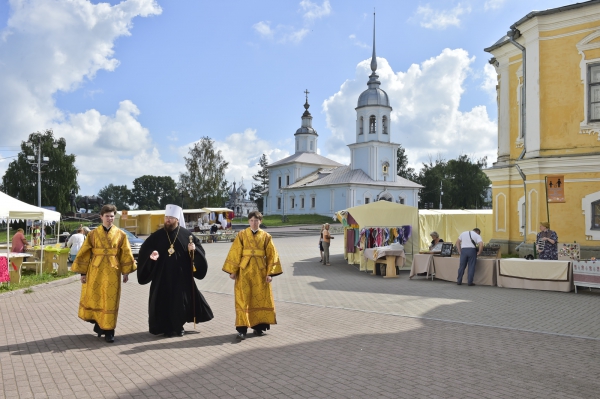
{"x":13,"y":210}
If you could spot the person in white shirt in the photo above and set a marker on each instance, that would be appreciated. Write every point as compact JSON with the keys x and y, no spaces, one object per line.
{"x":75,"y":242}
{"x":469,"y":245}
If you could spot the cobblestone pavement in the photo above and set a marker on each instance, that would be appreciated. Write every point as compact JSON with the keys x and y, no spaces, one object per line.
{"x":341,"y":334}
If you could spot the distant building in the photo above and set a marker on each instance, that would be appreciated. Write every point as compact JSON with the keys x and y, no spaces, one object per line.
{"x":308,"y":183}
{"x":238,"y":202}
{"x":548,"y":127}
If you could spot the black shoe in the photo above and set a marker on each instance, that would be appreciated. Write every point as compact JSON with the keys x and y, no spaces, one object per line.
{"x":98,"y":330}
{"x":179,"y":333}
{"x":240,"y":336}
{"x":471,"y":284}
{"x":110,"y":338}
{"x":259,"y":333}
{"x":458,"y":283}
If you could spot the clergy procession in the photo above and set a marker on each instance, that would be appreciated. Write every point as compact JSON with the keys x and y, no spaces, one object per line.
{"x":170,"y":260}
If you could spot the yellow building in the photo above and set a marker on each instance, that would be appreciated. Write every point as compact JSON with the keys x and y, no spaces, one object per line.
{"x":549,"y":128}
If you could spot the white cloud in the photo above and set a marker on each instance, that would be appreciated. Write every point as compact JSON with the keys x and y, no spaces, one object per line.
{"x":243,"y":152}
{"x":493,"y":4}
{"x":314,"y":11}
{"x":289,"y":33}
{"x":357,"y":42}
{"x":264,"y":29}
{"x":441,"y":19}
{"x":55,"y":46}
{"x":425,"y":119}
{"x":490,"y":81}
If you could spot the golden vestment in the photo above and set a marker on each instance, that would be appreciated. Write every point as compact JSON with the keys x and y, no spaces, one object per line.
{"x":252,"y":258}
{"x":102,"y":258}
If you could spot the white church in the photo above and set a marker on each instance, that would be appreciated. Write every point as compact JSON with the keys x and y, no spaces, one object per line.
{"x":308,"y":183}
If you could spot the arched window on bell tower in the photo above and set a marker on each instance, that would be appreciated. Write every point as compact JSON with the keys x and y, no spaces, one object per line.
{"x":384,"y":125}
{"x":362,"y":124}
{"x":372,"y":124}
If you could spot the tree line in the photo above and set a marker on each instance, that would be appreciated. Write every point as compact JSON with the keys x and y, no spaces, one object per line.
{"x":203,"y":184}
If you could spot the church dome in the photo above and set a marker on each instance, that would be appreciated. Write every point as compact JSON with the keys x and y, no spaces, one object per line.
{"x":306,"y":130}
{"x":373,"y":96}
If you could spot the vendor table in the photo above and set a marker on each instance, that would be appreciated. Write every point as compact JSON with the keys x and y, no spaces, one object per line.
{"x":392,"y":259}
{"x":14,"y":266}
{"x":547,"y":275}
{"x":586,"y":273}
{"x":446,"y":268}
{"x":422,"y":263}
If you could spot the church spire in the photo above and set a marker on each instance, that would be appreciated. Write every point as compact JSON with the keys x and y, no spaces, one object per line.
{"x":374,"y":57}
{"x":306,"y":104}
{"x":373,"y":83}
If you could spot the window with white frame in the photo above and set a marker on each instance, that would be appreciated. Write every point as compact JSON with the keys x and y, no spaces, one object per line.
{"x":302,"y":203}
{"x":278,"y":202}
{"x":401,"y":200}
{"x":367,"y":200}
{"x":287,"y":180}
{"x":360,"y":128}
{"x":293,"y":202}
{"x":372,"y":124}
{"x":384,"y":125}
{"x":594,"y":92}
{"x":595,"y":215}
{"x":313,"y":202}
{"x":279,"y":182}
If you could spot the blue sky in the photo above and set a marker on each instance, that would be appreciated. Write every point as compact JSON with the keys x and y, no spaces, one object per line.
{"x":132,"y":84}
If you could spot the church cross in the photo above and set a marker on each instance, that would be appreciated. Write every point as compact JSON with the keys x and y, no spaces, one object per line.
{"x":307,"y":93}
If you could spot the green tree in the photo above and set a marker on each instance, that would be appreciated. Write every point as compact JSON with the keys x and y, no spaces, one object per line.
{"x":430,"y":176}
{"x":154,"y":192}
{"x":468,"y":182}
{"x":58,"y":179}
{"x":204,"y":183}
{"x":402,"y":166}
{"x":262,"y":177}
{"x":119,"y":196}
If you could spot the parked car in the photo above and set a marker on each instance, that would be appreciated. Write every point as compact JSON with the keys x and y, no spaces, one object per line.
{"x":134,"y":241}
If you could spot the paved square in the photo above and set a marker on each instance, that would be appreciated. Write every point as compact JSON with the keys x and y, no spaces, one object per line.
{"x":341,"y":334}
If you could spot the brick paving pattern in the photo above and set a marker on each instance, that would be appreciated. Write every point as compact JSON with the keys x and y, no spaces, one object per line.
{"x":341,"y":334}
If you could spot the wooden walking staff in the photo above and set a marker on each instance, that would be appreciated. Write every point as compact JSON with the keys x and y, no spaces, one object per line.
{"x":193,"y":283}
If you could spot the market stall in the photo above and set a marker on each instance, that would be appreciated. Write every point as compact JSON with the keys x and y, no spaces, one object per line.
{"x":450,"y":223}
{"x":222,"y":216}
{"x":376,"y":225}
{"x":13,"y":210}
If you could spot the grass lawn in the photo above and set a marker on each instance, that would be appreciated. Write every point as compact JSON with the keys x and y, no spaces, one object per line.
{"x":30,"y":279}
{"x":291,"y":220}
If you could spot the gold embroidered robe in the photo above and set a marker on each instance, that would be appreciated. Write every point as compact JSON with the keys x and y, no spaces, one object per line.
{"x":252,"y":258}
{"x":103,"y":257}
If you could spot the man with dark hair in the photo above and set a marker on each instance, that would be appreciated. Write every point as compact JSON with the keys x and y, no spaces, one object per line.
{"x":253,"y":262}
{"x":469,"y":245}
{"x":104,"y":256}
{"x":171,"y":259}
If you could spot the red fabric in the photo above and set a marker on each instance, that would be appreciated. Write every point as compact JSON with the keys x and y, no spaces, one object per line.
{"x":4,"y":276}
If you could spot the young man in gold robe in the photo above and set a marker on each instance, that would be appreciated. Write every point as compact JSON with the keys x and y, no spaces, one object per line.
{"x":253,"y":262}
{"x":103,"y":257}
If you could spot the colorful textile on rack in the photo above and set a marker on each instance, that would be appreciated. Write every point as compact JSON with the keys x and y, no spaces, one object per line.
{"x":4,"y":275}
{"x":372,"y":237}
{"x":356,"y":237}
{"x":351,"y":221}
{"x":350,"y":240}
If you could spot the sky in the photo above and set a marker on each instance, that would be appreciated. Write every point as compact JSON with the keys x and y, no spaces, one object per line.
{"x":132,"y":84}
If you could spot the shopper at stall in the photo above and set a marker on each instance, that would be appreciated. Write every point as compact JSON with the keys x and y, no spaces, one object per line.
{"x":36,"y":235}
{"x":171,"y":260}
{"x":104,"y":257}
{"x":213,"y":232}
{"x":469,"y":245}
{"x":75,"y":242}
{"x":19,"y":242}
{"x":253,"y":262}
{"x":435,"y":239}
{"x":321,"y":242}
{"x":326,"y":243}
{"x":547,"y":242}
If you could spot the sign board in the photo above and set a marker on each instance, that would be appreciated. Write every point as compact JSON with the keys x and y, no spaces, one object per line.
{"x":124,"y":215}
{"x":555,"y":187}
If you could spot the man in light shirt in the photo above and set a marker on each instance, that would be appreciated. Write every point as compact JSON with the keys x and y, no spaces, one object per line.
{"x":469,"y":245}
{"x":75,"y":242}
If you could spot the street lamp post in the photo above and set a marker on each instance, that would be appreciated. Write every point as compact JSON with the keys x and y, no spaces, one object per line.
{"x":441,"y":193}
{"x":283,"y":203}
{"x":36,"y":143}
{"x":181,"y":192}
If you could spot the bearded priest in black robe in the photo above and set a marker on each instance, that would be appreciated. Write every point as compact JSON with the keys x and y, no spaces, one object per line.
{"x":165,"y":262}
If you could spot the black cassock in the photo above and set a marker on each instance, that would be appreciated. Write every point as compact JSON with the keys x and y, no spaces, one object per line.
{"x":171,"y":304}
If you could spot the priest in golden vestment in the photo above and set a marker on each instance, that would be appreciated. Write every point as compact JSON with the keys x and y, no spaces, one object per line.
{"x":103,"y":257}
{"x":253,"y":262}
